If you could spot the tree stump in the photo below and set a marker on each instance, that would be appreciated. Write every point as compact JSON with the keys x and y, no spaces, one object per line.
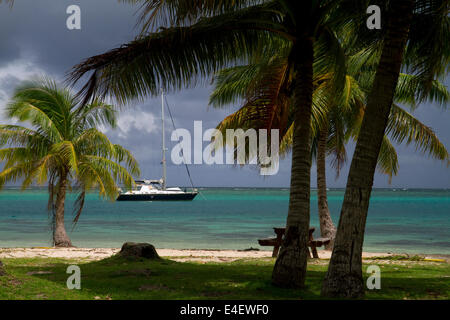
{"x":138,"y":250}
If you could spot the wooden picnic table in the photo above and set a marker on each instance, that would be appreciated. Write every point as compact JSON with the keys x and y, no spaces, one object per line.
{"x":278,"y":241}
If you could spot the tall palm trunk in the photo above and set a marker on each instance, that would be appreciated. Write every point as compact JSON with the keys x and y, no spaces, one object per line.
{"x":290,"y":267}
{"x":60,"y":238}
{"x":344,"y":276}
{"x":327,"y":228}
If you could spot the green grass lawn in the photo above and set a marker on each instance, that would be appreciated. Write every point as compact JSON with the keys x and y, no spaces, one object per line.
{"x":117,"y":278}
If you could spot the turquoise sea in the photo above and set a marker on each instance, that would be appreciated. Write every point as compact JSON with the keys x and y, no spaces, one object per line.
{"x":412,"y":221}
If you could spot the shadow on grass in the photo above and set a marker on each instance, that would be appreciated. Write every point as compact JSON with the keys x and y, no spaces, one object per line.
{"x":119,"y":278}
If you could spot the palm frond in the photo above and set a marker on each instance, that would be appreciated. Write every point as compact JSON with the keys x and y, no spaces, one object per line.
{"x":403,"y":127}
{"x":175,"y":57}
{"x":176,"y":13}
{"x":330,"y":58}
{"x":428,"y":50}
{"x":67,"y":155}
{"x":95,"y":114}
{"x":123,"y":155}
{"x":286,"y":141}
{"x":41,"y":104}
{"x":410,"y":91}
{"x":15,"y":155}
{"x":337,"y":140}
{"x":108,"y":173}
{"x":231,"y":84}
{"x":92,"y":178}
{"x":387,"y":162}
{"x":78,"y":206}
{"x":20,"y":136}
{"x":94,"y":142}
{"x":26,"y":112}
{"x":38,"y":172}
{"x":14,"y":173}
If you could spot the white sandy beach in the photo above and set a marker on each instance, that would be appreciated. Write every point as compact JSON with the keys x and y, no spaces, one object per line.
{"x":175,"y":254}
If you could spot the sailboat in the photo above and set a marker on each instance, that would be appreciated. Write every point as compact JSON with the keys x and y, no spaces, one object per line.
{"x":156,"y":190}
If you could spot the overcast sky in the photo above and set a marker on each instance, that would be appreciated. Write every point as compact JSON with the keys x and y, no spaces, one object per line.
{"x":34,"y":40}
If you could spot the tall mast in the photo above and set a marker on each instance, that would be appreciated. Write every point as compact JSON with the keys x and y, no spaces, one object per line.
{"x":163,"y":142}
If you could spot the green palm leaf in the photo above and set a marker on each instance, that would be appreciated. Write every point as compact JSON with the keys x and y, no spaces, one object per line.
{"x":175,"y":12}
{"x":177,"y":56}
{"x":403,"y":127}
{"x":387,"y":159}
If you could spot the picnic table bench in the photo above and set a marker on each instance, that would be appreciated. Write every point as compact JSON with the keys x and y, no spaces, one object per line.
{"x":278,"y":240}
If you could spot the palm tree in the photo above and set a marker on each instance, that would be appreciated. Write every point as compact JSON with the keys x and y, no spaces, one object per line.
{"x":61,"y":145}
{"x":262,"y":86}
{"x":201,"y":37}
{"x":416,"y":34}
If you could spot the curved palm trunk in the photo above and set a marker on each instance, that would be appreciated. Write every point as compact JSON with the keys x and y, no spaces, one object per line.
{"x":327,"y":228}
{"x":344,"y":276}
{"x":290,"y":266}
{"x":60,"y":238}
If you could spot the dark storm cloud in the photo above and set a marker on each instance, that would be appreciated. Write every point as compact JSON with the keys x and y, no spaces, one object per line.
{"x":34,"y":38}
{"x":38,"y":28}
{"x":8,"y":51}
